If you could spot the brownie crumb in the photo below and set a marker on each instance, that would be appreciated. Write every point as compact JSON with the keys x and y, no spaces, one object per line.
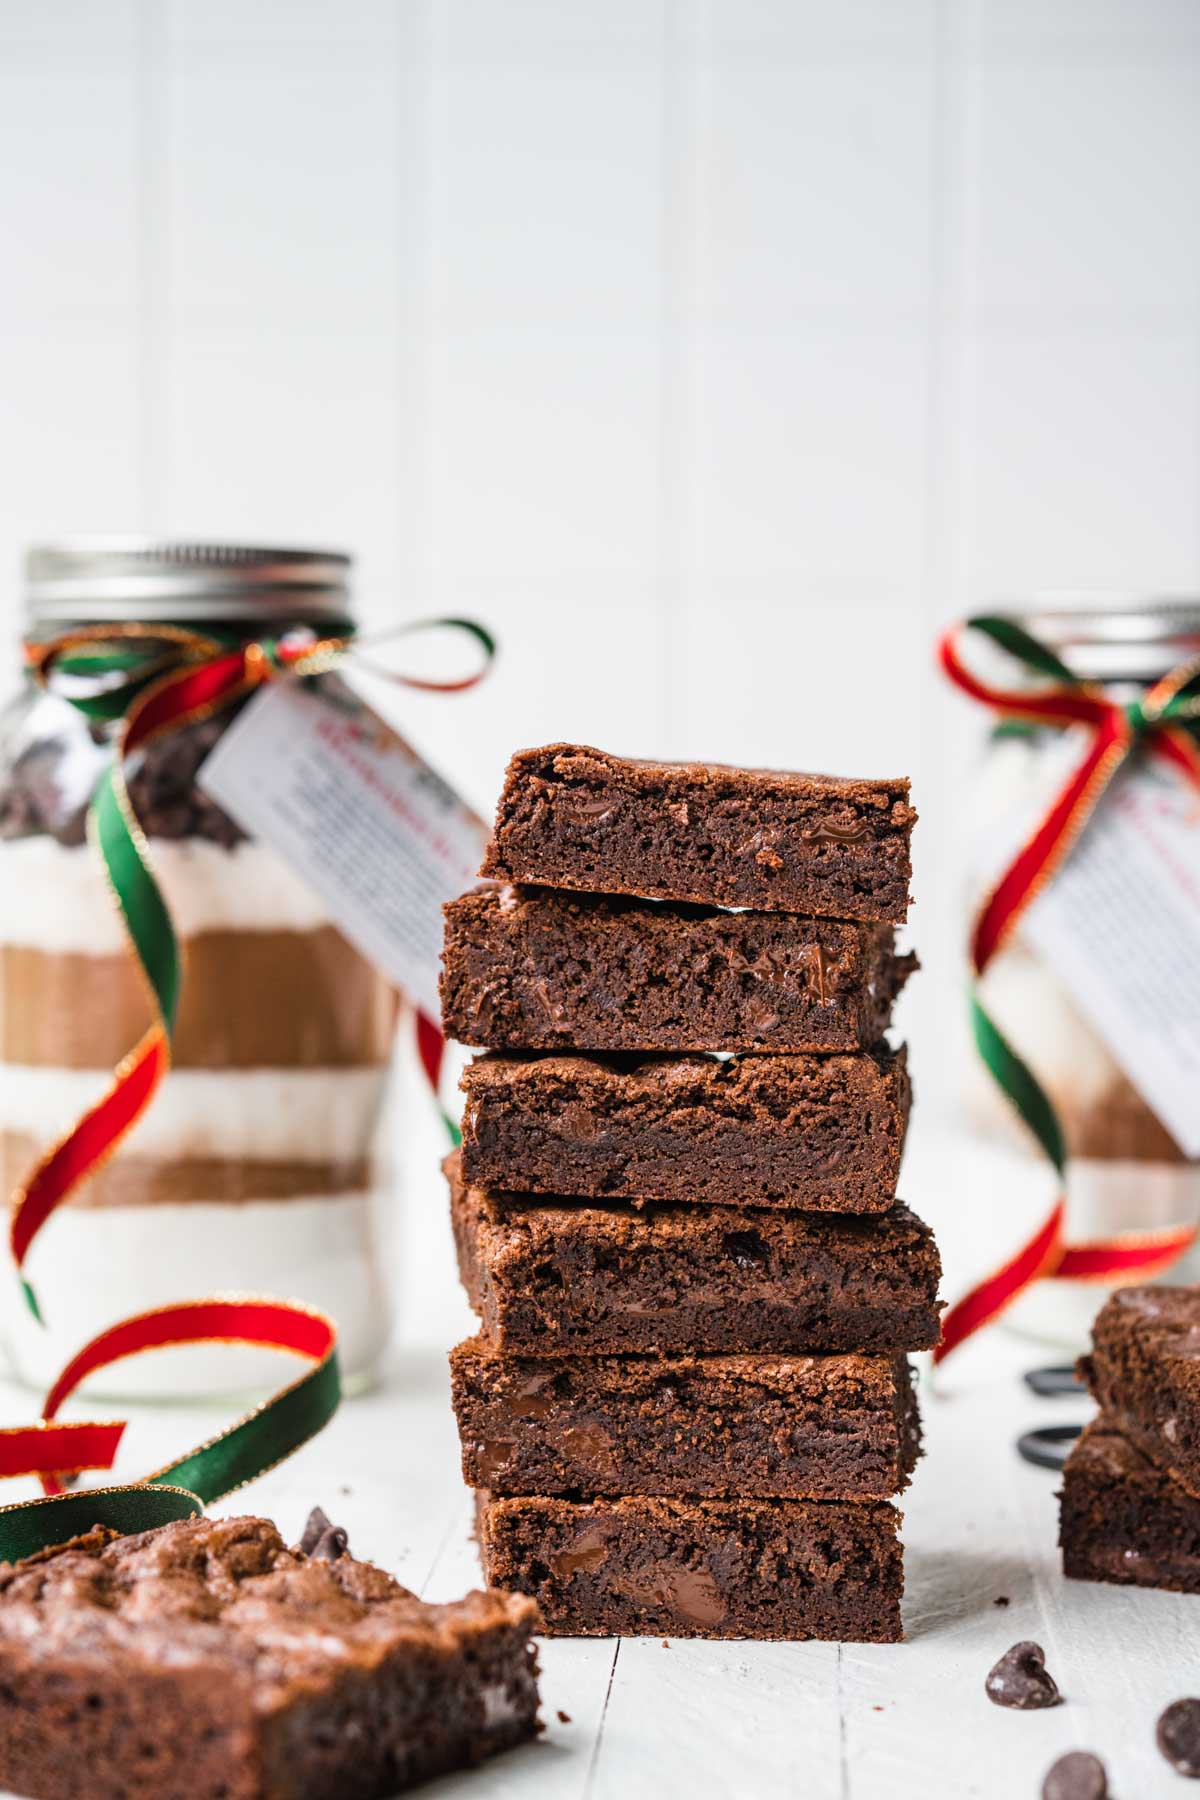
{"x":1000,"y":1600}
{"x":563,"y":1718}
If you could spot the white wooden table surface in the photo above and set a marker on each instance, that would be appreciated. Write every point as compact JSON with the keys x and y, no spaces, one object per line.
{"x":823,"y":1721}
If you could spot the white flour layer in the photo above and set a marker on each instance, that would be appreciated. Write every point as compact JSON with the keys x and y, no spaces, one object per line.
{"x":92,"y":1266}
{"x":57,"y":898}
{"x":256,"y":1115}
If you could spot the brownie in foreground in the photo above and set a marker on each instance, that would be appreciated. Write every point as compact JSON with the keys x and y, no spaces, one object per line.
{"x":531,"y":969}
{"x":574,"y":817}
{"x":819,"y":1133}
{"x":700,"y":1568}
{"x":763,"y":1427}
{"x":1125,"y":1520}
{"x":554,"y":1277}
{"x":1144,"y":1369}
{"x":205,"y":1659}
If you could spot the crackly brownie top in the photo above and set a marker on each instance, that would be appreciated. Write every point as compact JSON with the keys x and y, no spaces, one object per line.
{"x":227,"y":1594}
{"x":545,"y":1220}
{"x":887,"y":798}
{"x":1107,"y":1454}
{"x":732,"y":1079}
{"x":854,"y":1379}
{"x":1162,"y":1323}
{"x":850,"y":947}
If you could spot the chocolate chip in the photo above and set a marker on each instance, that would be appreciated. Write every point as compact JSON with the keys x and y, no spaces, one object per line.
{"x":1019,"y":1679}
{"x":1178,"y":1737}
{"x":1000,"y":1600}
{"x":1077,"y":1776}
{"x":323,"y":1542}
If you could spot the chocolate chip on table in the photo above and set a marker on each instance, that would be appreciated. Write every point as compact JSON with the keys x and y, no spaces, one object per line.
{"x":1020,"y":1679}
{"x":323,"y":1542}
{"x":1077,"y":1776}
{"x":1178,"y":1737}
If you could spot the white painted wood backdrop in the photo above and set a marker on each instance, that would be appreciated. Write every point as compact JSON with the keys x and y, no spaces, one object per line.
{"x":716,"y":350}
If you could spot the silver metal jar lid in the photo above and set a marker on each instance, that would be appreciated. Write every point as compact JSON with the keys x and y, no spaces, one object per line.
{"x":125,"y":580}
{"x":1109,"y":637}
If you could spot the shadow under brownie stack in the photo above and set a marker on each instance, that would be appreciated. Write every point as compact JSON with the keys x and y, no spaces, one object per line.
{"x":689,"y":1406}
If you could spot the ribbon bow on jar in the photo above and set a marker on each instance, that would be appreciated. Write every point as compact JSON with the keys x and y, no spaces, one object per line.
{"x":1161,"y":722}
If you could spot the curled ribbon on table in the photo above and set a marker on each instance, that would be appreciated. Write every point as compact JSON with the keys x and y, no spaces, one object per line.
{"x":53,"y":1451}
{"x":1161,"y":723}
{"x":156,"y":679}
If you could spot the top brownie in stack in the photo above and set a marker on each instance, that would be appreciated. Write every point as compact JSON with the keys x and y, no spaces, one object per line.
{"x":573,"y":817}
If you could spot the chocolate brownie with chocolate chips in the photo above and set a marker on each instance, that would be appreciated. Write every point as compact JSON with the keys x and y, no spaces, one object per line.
{"x":207,"y":1661}
{"x":554,"y":1277}
{"x":573,"y":817}
{"x":700,"y":1568}
{"x":532,"y":969}
{"x":755,"y":1427}
{"x":1144,"y":1369}
{"x":1125,"y":1520}
{"x":822,"y":1133}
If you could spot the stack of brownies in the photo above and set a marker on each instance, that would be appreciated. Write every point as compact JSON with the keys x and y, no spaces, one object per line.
{"x":1131,"y":1486}
{"x":689,"y":1403}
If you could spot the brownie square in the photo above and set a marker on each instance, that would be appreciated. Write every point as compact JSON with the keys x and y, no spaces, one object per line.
{"x":533,"y":969}
{"x":207,"y":1661}
{"x":700,"y":1568}
{"x":1123,"y":1519}
{"x":821,"y":1133}
{"x":769,"y":1426}
{"x":574,"y":817}
{"x":1144,"y":1369}
{"x":552,"y":1277}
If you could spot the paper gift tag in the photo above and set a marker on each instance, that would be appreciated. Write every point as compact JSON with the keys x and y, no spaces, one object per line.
{"x":1120,"y":921}
{"x":313,"y":771}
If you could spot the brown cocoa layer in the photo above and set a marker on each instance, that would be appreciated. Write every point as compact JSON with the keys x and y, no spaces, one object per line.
{"x":768,"y":1426}
{"x":130,"y":1180}
{"x":249,"y":999}
{"x":559,"y":1277}
{"x":574,"y":817}
{"x":699,"y":1568}
{"x":1144,"y":1369}
{"x":822,"y":1133}
{"x":1125,"y":1520}
{"x":529,"y":968}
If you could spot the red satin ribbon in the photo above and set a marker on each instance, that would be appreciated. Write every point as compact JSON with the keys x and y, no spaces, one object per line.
{"x":1115,"y":730}
{"x":52,"y":1450}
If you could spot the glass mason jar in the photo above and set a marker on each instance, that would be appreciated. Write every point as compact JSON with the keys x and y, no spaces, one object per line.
{"x":1125,"y":1173}
{"x":258,"y":1166}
